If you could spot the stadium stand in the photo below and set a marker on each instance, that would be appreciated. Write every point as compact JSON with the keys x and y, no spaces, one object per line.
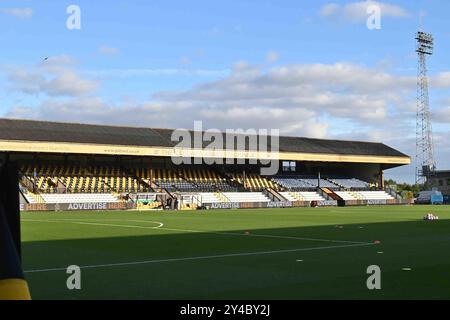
{"x":209,"y":197}
{"x":246,"y":197}
{"x":185,"y":179}
{"x":174,"y":186}
{"x":104,"y":179}
{"x":351,"y":183}
{"x":347,"y":196}
{"x":29,"y":198}
{"x":296,"y":183}
{"x":79,"y":198}
{"x":254,"y":182}
{"x":29,"y":130}
{"x":374,"y":195}
{"x":293,"y":183}
{"x":75,"y":183}
{"x":206,"y":179}
{"x":78,"y":179}
{"x":66,"y":160}
{"x":323,"y":183}
{"x":302,"y":196}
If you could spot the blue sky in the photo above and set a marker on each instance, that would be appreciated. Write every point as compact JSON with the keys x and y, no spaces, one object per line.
{"x":309,"y":68}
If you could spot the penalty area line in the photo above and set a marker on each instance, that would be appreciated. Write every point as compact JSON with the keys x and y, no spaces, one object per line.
{"x":231,"y":255}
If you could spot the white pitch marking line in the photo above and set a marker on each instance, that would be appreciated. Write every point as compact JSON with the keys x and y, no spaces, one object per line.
{"x":231,"y":255}
{"x":407,"y":269}
{"x":266,"y":236}
{"x":159,"y":224}
{"x":299,"y":238}
{"x":196,"y":231}
{"x":118,"y":225}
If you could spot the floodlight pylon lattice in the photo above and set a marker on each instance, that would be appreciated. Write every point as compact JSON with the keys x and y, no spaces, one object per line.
{"x":425,"y":163}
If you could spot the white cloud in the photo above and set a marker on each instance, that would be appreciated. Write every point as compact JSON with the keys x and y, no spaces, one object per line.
{"x":344,"y":91}
{"x":330,"y":9}
{"x":90,"y":109}
{"x":23,"y":13}
{"x":357,"y":11}
{"x":441,"y":80}
{"x":295,"y":98}
{"x":69,"y":83}
{"x":442,"y":115}
{"x":340,"y":100}
{"x":60,"y":60}
{"x":54,"y":76}
{"x":144,"y":72}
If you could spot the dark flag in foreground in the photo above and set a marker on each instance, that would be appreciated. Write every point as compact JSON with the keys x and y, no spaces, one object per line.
{"x":13,"y":285}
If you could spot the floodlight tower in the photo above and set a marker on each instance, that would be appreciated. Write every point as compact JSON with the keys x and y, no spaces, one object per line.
{"x":425,"y":164}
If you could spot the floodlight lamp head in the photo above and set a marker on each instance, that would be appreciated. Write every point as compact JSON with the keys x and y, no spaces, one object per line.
{"x":425,"y":43}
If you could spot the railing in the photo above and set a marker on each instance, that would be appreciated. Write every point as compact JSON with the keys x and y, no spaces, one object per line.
{"x":273,"y":195}
{"x":392,"y":192}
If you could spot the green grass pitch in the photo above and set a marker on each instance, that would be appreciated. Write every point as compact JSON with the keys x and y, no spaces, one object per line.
{"x":298,"y":253}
